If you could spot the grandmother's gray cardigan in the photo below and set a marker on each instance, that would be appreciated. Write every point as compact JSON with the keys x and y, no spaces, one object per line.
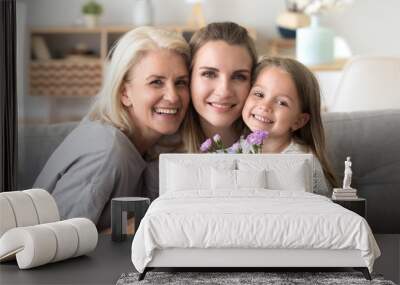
{"x":95,"y":163}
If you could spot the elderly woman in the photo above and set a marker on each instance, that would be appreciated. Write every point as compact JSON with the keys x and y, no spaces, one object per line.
{"x":145,"y":96}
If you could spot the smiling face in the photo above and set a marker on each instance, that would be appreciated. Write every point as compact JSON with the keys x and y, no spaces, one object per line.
{"x":273,"y":105}
{"x":156,"y":93}
{"x":220,"y":83}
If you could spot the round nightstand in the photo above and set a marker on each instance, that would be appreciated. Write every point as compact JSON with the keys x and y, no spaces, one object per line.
{"x":358,"y":205}
{"x":120,"y":207}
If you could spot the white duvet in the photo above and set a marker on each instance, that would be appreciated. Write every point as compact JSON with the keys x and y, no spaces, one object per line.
{"x":253,"y":218}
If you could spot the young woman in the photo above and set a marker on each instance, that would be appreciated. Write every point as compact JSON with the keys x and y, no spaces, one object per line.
{"x":145,"y":95}
{"x":285,"y":102}
{"x":223,"y":56}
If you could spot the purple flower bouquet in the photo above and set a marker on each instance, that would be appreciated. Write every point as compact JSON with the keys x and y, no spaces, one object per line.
{"x":251,"y":144}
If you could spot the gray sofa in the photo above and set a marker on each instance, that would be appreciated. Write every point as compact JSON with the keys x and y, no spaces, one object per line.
{"x":371,"y":138}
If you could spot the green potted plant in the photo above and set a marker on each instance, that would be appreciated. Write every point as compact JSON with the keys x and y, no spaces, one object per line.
{"x":92,"y":10}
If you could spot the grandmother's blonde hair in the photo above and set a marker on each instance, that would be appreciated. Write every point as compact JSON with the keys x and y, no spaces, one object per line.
{"x":122,"y":57}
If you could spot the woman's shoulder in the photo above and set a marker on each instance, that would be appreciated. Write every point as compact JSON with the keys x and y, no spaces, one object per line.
{"x":97,"y":137}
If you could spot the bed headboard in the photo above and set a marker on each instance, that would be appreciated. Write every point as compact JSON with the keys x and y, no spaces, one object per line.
{"x":284,"y":166}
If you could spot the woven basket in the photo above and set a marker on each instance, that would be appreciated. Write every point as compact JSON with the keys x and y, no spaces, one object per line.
{"x":68,"y":77}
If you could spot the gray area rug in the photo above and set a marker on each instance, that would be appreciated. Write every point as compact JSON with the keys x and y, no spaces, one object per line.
{"x":269,"y":278}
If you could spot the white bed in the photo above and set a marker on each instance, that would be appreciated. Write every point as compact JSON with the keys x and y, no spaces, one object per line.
{"x":221,"y":211}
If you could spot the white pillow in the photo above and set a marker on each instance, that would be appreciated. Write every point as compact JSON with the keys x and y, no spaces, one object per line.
{"x":251,"y":178}
{"x":188,"y":176}
{"x":225,"y":179}
{"x":282,"y":174}
{"x":293,"y":178}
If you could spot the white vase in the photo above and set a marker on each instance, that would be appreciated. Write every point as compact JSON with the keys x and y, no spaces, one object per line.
{"x":143,"y":13}
{"x":314,"y":44}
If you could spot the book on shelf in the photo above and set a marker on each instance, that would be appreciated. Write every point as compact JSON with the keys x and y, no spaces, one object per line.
{"x":341,"y":190}
{"x":340,"y":197}
{"x":345,"y":194}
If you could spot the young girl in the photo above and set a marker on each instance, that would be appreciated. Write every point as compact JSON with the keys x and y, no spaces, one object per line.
{"x":223,"y":57}
{"x":285,"y":102}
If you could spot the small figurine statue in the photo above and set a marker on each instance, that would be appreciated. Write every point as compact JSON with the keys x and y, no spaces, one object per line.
{"x":347,"y":174}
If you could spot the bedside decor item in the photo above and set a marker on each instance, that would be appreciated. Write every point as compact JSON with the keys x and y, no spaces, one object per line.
{"x":46,"y":243}
{"x":92,"y":11}
{"x":30,"y":230}
{"x":347,"y":192}
{"x":315,"y":44}
{"x":344,"y":194}
{"x":26,"y":208}
{"x":348,"y":173}
{"x":120,"y":207}
{"x":143,"y":13}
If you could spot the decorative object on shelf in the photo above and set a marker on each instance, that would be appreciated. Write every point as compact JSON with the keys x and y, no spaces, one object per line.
{"x":197,"y":17}
{"x":67,"y":77}
{"x":39,"y":48}
{"x":292,"y":19}
{"x":92,"y":11}
{"x":315,"y":44}
{"x":143,"y":14}
{"x":347,"y":192}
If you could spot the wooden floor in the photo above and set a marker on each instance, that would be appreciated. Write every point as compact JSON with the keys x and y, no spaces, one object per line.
{"x":389,"y":262}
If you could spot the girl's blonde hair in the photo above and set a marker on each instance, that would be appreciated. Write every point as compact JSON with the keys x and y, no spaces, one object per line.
{"x":122,"y":57}
{"x":233,"y":34}
{"x":312,"y":134}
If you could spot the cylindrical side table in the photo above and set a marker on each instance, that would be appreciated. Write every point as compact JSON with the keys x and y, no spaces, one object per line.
{"x":120,"y":207}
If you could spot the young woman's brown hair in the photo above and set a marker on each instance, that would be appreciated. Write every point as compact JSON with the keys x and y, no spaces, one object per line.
{"x":232,"y":34}
{"x":312,"y":134}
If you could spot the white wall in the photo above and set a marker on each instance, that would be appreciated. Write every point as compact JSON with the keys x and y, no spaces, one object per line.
{"x":370,"y":26}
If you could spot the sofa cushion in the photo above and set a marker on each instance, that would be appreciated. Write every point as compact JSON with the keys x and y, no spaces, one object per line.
{"x":35,"y":145}
{"x":371,"y":139}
